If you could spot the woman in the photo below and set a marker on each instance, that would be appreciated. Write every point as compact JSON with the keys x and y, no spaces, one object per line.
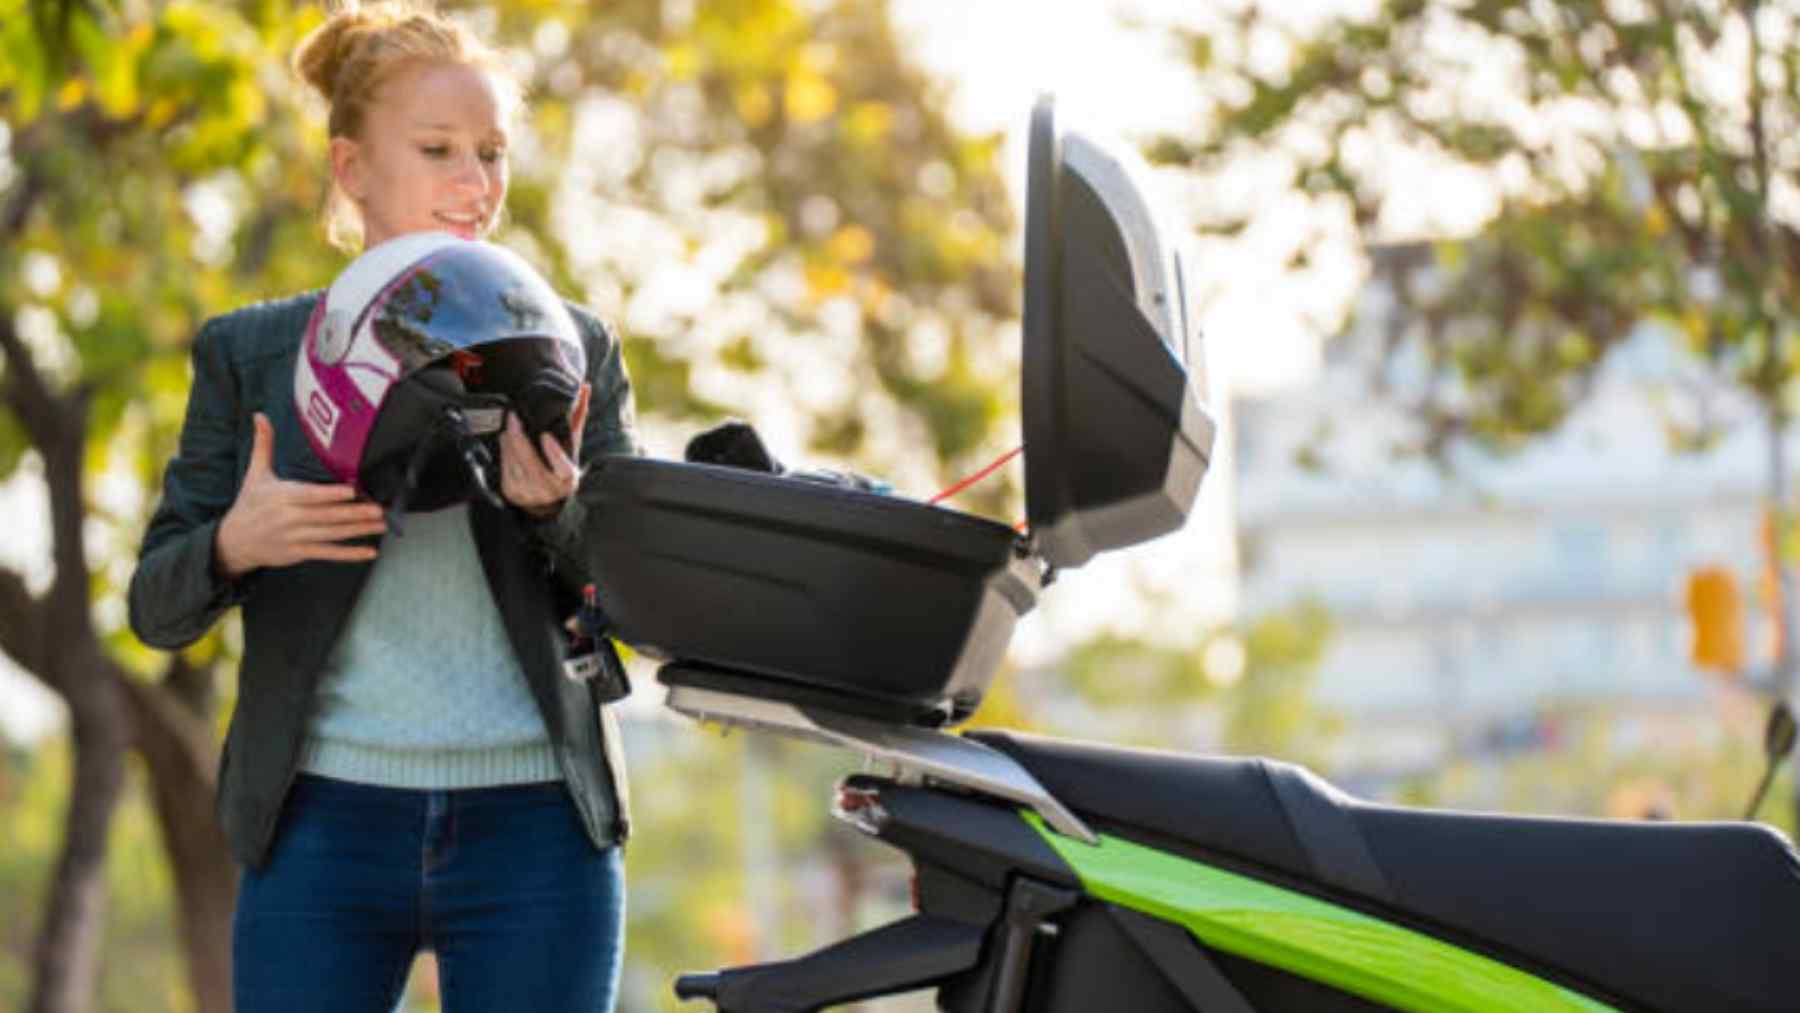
{"x":407,"y":767}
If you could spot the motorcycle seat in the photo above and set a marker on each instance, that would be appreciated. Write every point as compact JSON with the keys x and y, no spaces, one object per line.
{"x":1663,"y":916}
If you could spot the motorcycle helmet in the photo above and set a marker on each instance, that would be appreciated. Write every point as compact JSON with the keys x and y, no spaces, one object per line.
{"x":413,"y":360}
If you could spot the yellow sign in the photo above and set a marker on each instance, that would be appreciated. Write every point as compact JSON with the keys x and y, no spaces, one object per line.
{"x":1716,"y":614}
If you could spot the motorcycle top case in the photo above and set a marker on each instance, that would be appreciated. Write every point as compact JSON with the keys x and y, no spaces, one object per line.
{"x":891,"y":608}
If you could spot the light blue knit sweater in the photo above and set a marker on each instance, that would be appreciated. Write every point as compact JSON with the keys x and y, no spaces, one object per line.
{"x":422,"y":689}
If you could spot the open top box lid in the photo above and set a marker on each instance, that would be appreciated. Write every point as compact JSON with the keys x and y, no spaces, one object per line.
{"x":1116,"y":436}
{"x":760,"y":587}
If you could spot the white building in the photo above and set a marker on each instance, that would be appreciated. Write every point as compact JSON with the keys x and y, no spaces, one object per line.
{"x":1468,"y":605}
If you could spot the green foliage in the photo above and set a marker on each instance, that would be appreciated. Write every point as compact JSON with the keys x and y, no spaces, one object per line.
{"x":1112,"y":670}
{"x":13,"y":444}
{"x":660,"y":380}
{"x":864,"y":216}
{"x":1707,"y":774}
{"x":1634,"y":159}
{"x":151,"y":175}
{"x":1260,"y":676}
{"x":135,"y":175}
{"x":140,"y":971}
{"x":1272,"y":711}
{"x":961,"y":406}
{"x":25,"y":71}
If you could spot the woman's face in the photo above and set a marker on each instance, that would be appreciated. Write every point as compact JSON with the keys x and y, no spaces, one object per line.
{"x":432,"y":155}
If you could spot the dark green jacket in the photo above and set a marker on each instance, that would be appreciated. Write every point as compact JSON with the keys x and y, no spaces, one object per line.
{"x":244,"y":363}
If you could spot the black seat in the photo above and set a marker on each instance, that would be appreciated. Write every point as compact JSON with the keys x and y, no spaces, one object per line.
{"x":1665,"y":916}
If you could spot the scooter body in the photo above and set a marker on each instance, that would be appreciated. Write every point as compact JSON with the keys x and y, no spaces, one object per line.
{"x":1056,"y":876}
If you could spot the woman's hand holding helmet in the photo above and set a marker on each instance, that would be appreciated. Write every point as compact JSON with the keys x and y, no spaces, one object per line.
{"x":538,"y":482}
{"x":275,"y":522}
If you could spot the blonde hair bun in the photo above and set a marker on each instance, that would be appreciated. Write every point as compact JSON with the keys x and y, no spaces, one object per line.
{"x":321,"y":56}
{"x":360,"y":45}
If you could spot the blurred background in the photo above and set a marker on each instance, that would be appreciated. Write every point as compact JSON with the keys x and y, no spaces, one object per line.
{"x":1500,"y":316}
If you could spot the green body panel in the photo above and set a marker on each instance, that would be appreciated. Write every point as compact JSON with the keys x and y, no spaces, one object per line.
{"x":1306,"y":936}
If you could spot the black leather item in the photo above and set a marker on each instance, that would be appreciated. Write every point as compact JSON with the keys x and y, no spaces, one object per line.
{"x":1664,"y":916}
{"x":734,"y":444}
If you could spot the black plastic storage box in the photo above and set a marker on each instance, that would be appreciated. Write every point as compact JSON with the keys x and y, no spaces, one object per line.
{"x":886,"y":607}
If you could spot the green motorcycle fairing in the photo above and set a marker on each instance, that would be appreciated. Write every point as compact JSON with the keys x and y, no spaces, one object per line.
{"x":1313,"y":938}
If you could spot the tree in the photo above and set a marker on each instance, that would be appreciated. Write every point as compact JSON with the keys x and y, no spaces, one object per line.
{"x":116,"y":127}
{"x":1621,"y":163}
{"x":780,"y":167}
{"x":843,"y":248}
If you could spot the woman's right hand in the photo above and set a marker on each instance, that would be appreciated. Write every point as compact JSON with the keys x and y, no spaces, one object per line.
{"x":274,"y":522}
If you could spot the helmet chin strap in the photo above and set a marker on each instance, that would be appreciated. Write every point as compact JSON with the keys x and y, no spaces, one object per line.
{"x":475,"y":454}
{"x":452,"y":424}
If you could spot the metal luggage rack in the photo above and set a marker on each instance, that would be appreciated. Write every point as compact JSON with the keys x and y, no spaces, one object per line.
{"x":915,"y":754}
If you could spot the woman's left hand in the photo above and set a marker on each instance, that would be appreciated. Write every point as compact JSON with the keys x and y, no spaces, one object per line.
{"x":538,"y":481}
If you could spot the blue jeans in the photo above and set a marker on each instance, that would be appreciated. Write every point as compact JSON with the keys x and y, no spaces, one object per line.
{"x":501,"y":883}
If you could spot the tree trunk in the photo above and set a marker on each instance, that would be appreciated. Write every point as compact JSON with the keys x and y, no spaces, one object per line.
{"x":68,"y":942}
{"x":180,"y":755}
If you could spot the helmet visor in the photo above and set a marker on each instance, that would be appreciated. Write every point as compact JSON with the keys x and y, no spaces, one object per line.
{"x":467,"y":295}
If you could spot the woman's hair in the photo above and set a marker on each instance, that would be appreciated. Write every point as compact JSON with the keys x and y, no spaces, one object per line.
{"x":363,"y":45}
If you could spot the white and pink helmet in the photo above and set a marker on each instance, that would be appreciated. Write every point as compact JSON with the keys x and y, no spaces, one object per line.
{"x":416,"y":355}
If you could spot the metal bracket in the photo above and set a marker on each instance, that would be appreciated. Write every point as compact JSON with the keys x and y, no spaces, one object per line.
{"x":920,"y":752}
{"x":1029,"y":907}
